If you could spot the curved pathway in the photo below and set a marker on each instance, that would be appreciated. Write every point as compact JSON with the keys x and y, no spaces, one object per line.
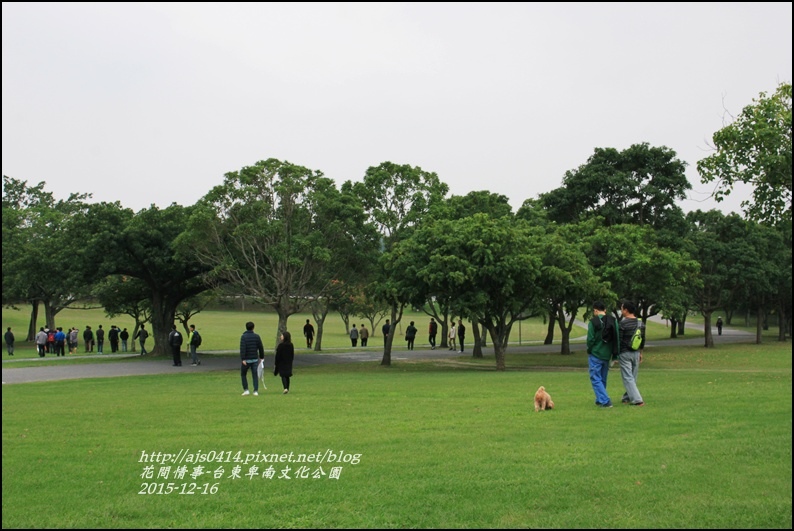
{"x":163,"y":365}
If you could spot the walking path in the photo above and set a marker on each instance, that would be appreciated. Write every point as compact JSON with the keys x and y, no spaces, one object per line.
{"x":162,"y":365}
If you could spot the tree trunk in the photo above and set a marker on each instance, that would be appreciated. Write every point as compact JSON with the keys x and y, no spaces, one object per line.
{"x":782,"y":321}
{"x":34,"y":317}
{"x":476,"y":351}
{"x":707,"y":330}
{"x":759,"y":328}
{"x":673,"y":328}
{"x":550,"y":330}
{"x":396,"y":315}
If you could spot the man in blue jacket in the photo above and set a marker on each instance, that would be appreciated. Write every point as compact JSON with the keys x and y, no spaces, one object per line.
{"x":251,"y":351}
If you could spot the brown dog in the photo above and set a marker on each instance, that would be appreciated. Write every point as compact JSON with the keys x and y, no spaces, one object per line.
{"x":543,"y":400}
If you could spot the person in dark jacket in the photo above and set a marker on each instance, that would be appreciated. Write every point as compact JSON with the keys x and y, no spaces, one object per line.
{"x":461,"y":333}
{"x":88,"y":339}
{"x":113,"y":337}
{"x":9,"y":337}
{"x":285,"y":354}
{"x":251,"y":351}
{"x":175,"y":342}
{"x":410,"y":335}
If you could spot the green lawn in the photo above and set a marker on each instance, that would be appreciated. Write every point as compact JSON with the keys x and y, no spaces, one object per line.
{"x":425,"y":445}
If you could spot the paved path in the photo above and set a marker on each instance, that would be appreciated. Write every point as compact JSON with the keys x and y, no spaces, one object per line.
{"x":163,"y":365}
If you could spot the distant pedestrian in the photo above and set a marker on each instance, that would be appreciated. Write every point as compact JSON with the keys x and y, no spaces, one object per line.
{"x":141,"y":335}
{"x":285,"y":354}
{"x":100,"y":340}
{"x":9,"y":337}
{"x":175,"y":342}
{"x":88,"y":339}
{"x":363,"y":335}
{"x":124,"y":336}
{"x":251,"y":352}
{"x":385,"y":329}
{"x":113,"y":337}
{"x":719,"y":326}
{"x":451,"y":335}
{"x":432,"y":333}
{"x":308,"y":333}
{"x":195,"y":341}
{"x":461,"y":334}
{"x":73,"y":333}
{"x":60,"y":342}
{"x":354,"y":336}
{"x":41,"y":342}
{"x":630,"y":358}
{"x":410,"y":335}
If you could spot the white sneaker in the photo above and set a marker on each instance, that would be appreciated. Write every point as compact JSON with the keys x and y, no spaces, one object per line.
{"x":286,"y":391}
{"x":256,"y":393}
{"x":246,"y":393}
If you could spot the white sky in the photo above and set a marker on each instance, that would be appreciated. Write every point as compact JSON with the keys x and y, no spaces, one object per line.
{"x":150,"y":103}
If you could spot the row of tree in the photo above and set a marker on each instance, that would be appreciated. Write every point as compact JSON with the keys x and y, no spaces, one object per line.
{"x":291,"y":238}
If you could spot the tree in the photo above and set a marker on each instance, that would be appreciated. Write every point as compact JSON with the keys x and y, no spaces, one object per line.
{"x":143,"y":245}
{"x":397,"y":198}
{"x":756,"y":149}
{"x":120,"y":295}
{"x":273,"y":229}
{"x":36,"y":231}
{"x":490,"y":266}
{"x":639,"y":185}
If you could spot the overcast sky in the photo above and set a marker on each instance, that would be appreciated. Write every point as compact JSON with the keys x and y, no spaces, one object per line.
{"x":153,"y":103}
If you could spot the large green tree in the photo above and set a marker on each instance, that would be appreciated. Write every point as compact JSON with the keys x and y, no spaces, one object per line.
{"x":397,"y":198}
{"x":756,"y":149}
{"x":640,"y":185}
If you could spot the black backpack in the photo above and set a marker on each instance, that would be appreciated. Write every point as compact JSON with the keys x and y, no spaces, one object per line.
{"x":196,"y":339}
{"x":607,"y":328}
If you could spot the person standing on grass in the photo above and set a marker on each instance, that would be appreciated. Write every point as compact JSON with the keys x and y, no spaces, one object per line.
{"x":100,"y":340}
{"x":88,"y":339}
{"x":601,"y":346}
{"x":124,"y":336}
{"x":629,"y":358}
{"x":308,"y":332}
{"x":251,"y":351}
{"x":285,"y":354}
{"x":385,"y":329}
{"x":9,"y":337}
{"x":60,"y":342}
{"x":141,"y":335}
{"x":41,"y":341}
{"x":451,"y":335}
{"x":73,"y":333}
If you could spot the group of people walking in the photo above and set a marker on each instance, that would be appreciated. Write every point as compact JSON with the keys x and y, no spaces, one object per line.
{"x":458,"y":331}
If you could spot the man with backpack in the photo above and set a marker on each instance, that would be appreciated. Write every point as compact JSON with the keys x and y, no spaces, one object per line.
{"x":602,"y":346}
{"x":195,"y":341}
{"x":175,"y":341}
{"x":632,"y":339}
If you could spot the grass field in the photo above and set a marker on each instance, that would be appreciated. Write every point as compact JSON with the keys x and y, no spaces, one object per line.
{"x":426,"y":445}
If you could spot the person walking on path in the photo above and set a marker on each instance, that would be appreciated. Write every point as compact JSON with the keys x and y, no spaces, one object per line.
{"x":410,"y":335}
{"x":9,"y":337}
{"x":451,"y":335}
{"x":432,"y":332}
{"x":175,"y":342}
{"x":363,"y":334}
{"x":141,"y":335}
{"x":285,"y":354}
{"x":461,"y":333}
{"x":629,"y":358}
{"x":195,"y":341}
{"x":354,"y":336}
{"x":308,"y":332}
{"x":719,"y":326}
{"x":601,"y":346}
{"x":251,"y":351}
